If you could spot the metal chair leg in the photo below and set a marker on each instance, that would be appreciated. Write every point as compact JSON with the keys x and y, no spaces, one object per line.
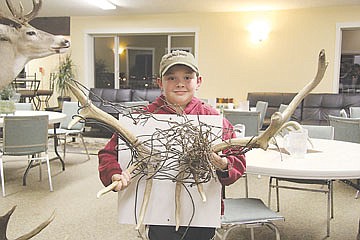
{"x":87,"y":153}
{"x":277,"y":195}
{"x":270,"y":189}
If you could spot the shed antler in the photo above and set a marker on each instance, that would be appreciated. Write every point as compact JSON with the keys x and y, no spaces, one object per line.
{"x":278,"y":119}
{"x":4,"y":220}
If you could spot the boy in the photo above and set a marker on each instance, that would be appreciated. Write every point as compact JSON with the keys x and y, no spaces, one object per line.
{"x":179,"y":80}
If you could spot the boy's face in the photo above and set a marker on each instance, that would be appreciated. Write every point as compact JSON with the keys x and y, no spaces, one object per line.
{"x":179,"y":85}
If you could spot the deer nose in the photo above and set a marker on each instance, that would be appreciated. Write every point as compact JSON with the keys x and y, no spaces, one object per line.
{"x":66,"y":43}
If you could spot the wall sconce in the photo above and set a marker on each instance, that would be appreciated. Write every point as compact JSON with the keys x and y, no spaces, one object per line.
{"x":259,"y":31}
{"x":121,"y":50}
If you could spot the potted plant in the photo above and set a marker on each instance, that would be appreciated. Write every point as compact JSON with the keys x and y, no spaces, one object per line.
{"x":7,"y":99}
{"x":65,"y":73}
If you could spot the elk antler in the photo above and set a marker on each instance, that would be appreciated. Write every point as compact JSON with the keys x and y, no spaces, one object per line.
{"x":4,"y":223}
{"x":90,"y":111}
{"x":277,"y":119}
{"x":19,"y":16}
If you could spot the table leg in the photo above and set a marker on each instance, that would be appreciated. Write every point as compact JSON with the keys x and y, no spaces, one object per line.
{"x":30,"y":165}
{"x":56,"y":151}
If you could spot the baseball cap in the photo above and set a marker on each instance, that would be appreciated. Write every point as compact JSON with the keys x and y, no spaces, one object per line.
{"x":177,"y":57}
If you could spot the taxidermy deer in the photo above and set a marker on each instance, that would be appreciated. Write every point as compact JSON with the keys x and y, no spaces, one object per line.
{"x":21,"y":43}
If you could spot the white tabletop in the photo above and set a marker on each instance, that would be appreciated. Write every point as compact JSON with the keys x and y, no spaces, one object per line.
{"x":54,"y":117}
{"x":329,"y":159}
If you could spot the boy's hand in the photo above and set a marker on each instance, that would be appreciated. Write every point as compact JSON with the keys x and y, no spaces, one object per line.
{"x":218,"y":162}
{"x":124,"y":180}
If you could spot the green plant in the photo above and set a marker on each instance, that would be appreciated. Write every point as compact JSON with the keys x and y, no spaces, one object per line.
{"x":65,"y":73}
{"x":7,"y":93}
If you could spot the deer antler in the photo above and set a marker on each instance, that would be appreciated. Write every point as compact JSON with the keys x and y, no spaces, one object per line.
{"x":5,"y":219}
{"x":278,"y":119}
{"x":19,"y":16}
{"x":90,"y":111}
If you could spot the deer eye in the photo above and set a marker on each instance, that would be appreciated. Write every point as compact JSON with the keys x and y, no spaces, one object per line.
{"x":31,"y":33}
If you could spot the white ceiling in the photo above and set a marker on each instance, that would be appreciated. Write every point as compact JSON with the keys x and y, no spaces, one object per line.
{"x":52,"y":8}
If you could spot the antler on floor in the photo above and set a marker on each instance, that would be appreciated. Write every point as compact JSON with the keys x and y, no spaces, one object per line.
{"x":4,"y":223}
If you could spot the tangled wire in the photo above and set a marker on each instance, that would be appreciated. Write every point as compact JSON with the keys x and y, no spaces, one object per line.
{"x":179,"y":153}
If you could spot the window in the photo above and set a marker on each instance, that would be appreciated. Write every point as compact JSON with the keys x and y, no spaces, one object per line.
{"x":132,"y":60}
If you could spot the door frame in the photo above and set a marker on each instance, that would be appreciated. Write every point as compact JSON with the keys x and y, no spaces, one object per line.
{"x":338,"y":42}
{"x":89,"y":34}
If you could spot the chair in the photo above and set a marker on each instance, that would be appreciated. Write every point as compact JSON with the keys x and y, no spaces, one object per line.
{"x":314,"y":131}
{"x":354,"y":112}
{"x":282,"y":107}
{"x":70,"y":109}
{"x":343,"y":113}
{"x":262,"y":108}
{"x":251,"y":120}
{"x":319,"y":131}
{"x":27,"y":87}
{"x":345,"y":129}
{"x":24,"y":106}
{"x":249,"y":213}
{"x":348,"y":130}
{"x":25,"y":136}
{"x":44,"y":95}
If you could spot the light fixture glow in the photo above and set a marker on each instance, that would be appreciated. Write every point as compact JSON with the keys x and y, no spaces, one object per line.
{"x":259,"y":31}
{"x":103,"y":4}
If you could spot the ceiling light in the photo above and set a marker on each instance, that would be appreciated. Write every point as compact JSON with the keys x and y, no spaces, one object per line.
{"x":103,"y":4}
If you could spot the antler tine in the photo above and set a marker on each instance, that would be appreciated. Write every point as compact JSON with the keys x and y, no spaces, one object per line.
{"x":19,"y":17}
{"x":36,"y":7}
{"x":12,"y":9}
{"x":278,"y":119}
{"x":38,"y":228}
{"x":91,"y":111}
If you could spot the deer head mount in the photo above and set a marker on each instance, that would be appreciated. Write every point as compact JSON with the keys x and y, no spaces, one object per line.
{"x":4,"y":220}
{"x":21,"y":43}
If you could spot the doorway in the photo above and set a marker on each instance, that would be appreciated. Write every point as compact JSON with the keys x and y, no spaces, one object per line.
{"x":347,"y":58}
{"x":132,"y":60}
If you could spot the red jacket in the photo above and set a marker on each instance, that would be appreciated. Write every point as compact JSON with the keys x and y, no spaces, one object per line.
{"x":108,"y":161}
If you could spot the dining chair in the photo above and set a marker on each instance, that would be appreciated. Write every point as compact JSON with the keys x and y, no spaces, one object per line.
{"x":24,"y":106}
{"x":345,"y":129}
{"x":251,"y":120}
{"x":247,"y":212}
{"x":261,"y":107}
{"x":343,"y":113}
{"x":354,"y":112}
{"x":63,"y":131}
{"x":25,"y":136}
{"x":348,"y":130}
{"x":314,"y":131}
{"x":44,"y":95}
{"x":282,"y":107}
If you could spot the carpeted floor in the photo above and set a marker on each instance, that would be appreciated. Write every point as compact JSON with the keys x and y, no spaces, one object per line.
{"x":80,"y":215}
